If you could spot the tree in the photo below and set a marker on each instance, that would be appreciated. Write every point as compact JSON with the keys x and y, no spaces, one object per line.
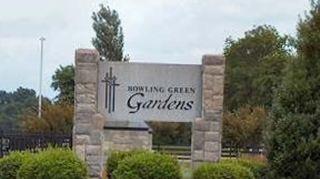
{"x":56,"y":118}
{"x":293,"y":137}
{"x":244,"y":126}
{"x":109,"y":36}
{"x":14,"y":104}
{"x":63,"y":82}
{"x":254,"y":67}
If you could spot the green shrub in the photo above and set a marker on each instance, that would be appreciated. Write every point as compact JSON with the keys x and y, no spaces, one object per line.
{"x":55,"y":163}
{"x":148,"y":165}
{"x":116,"y":156}
{"x":9,"y":165}
{"x":258,"y":168}
{"x":222,"y":171}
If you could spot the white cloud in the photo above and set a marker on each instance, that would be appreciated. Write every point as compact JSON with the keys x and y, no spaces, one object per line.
{"x":169,"y":31}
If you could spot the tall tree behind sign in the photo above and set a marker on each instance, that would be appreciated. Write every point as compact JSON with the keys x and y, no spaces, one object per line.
{"x":254,"y":65}
{"x":109,"y":36}
{"x":63,"y":82}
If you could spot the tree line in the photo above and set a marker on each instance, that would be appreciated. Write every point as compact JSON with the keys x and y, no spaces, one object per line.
{"x":272,"y":93}
{"x":272,"y":87}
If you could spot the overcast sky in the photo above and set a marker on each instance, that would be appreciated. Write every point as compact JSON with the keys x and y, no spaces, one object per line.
{"x":166,"y":31}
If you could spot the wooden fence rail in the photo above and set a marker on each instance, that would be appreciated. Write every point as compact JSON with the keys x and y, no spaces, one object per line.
{"x":228,"y":151}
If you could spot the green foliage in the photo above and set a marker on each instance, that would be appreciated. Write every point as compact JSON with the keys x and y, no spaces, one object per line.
{"x":117,"y":156}
{"x":109,"y":36}
{"x":148,"y":165}
{"x":222,"y":171}
{"x":293,"y":137}
{"x":56,"y":118}
{"x":258,"y":168}
{"x":63,"y":82}
{"x":308,"y":36}
{"x":10,"y":165}
{"x":171,"y":133}
{"x":254,"y":67}
{"x":53,"y":163}
{"x":244,"y":126}
{"x":14,"y":104}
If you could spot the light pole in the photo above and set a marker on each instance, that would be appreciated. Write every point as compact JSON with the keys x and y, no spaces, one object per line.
{"x":42,"y":39}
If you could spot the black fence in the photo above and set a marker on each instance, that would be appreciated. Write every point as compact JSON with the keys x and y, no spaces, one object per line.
{"x":20,"y":141}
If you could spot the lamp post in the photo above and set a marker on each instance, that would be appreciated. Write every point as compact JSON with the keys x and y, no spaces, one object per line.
{"x":42,"y":39}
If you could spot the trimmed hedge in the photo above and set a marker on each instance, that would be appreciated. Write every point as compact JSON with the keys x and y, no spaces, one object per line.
{"x":10,"y":165}
{"x":116,"y":156}
{"x":258,"y":168}
{"x":53,"y":163}
{"x":222,"y":171}
{"x":148,"y":165}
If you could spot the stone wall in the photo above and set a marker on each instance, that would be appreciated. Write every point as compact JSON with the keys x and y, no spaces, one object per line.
{"x":124,"y":140}
{"x":88,"y":124}
{"x":89,"y":138}
{"x":207,"y":130}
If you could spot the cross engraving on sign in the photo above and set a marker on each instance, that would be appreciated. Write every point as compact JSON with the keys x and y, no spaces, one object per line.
{"x":110,"y":92}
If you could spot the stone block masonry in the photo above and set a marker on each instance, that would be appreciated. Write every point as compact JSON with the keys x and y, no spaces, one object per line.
{"x":124,"y":140}
{"x":126,"y":135}
{"x":88,"y":124}
{"x":207,"y":130}
{"x":91,"y":138}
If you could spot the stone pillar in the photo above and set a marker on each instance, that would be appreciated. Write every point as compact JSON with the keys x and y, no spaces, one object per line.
{"x":88,"y":124}
{"x":207,"y":130}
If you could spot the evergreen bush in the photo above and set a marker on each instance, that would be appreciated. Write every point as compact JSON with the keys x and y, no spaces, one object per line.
{"x":222,"y":171}
{"x":148,"y":165}
{"x":10,"y":165}
{"x":258,"y":168}
{"x":116,"y":156}
{"x":53,"y":163}
{"x":293,"y":135}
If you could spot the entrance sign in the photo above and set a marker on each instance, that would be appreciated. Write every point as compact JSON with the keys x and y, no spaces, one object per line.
{"x":149,"y":92}
{"x":113,"y":99}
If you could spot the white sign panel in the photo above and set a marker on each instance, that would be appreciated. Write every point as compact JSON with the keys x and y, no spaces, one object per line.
{"x":149,"y":92}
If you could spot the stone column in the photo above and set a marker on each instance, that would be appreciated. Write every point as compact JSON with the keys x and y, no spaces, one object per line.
{"x":207,"y":130}
{"x":88,"y":125}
